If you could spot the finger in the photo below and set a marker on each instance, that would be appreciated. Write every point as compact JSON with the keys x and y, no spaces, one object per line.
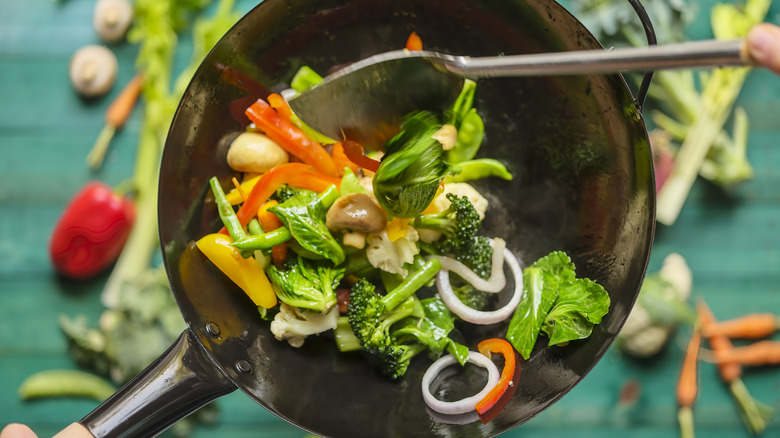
{"x":763,"y":43}
{"x":15,"y":430}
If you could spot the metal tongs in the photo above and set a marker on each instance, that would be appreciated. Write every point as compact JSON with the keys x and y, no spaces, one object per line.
{"x":367,"y":100}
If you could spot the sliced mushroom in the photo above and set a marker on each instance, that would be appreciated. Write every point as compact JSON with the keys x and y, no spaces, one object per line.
{"x":356,"y":212}
{"x":111,"y":19}
{"x":93,"y":70}
{"x":254,"y":152}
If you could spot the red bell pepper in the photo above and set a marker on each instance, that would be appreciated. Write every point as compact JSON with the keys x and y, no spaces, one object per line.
{"x":354,"y":151}
{"x":496,"y":345}
{"x":291,"y":138}
{"x":268,"y":183}
{"x":91,"y":232}
{"x":341,"y":159}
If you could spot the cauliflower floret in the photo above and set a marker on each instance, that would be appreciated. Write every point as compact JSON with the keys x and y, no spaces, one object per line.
{"x":294,"y":325}
{"x":391,"y":256}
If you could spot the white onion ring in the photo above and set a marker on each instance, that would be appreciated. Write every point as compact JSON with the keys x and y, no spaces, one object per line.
{"x":464,"y":405}
{"x":475,"y":316}
{"x":497,"y":280}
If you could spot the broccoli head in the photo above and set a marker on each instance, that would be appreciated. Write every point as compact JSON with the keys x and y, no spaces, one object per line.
{"x":371,"y":319}
{"x":477,"y":255}
{"x":459,"y":224}
{"x":396,"y":359}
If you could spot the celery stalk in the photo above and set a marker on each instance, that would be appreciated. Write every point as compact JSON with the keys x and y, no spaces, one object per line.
{"x":720,"y":91}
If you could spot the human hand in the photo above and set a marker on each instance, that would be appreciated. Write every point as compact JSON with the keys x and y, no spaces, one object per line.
{"x":763,"y":44}
{"x":15,"y":430}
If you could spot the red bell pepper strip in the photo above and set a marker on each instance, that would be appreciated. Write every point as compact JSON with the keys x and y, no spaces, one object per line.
{"x":341,"y":159}
{"x":314,"y":181}
{"x":495,"y":345}
{"x":291,"y":138}
{"x":268,"y":183}
{"x":354,"y":152}
{"x":91,"y":232}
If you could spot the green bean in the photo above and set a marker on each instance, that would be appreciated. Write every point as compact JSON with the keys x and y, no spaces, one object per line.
{"x":65,"y":383}
{"x":264,"y":240}
{"x":226,"y":213}
{"x":254,"y":227}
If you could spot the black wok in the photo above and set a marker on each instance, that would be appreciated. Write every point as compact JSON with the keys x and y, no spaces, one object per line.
{"x":583,"y":184}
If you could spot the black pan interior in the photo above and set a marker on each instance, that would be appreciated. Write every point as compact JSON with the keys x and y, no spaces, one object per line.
{"x":583,"y":183}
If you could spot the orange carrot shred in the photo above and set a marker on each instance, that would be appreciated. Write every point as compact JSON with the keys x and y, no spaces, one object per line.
{"x":414,"y":42}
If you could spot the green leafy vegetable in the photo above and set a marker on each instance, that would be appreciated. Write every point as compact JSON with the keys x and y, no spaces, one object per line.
{"x":471,"y":128}
{"x":309,"y":285}
{"x":557,"y":303}
{"x":432,"y":330}
{"x":540,"y":292}
{"x":350,"y":183}
{"x":581,"y":304}
{"x":304,"y":215}
{"x":412,"y":168}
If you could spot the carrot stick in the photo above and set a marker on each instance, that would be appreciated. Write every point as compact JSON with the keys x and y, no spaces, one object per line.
{"x":116,"y":116}
{"x":758,"y":353}
{"x":341,"y":159}
{"x":731,"y":373}
{"x":687,"y":386}
{"x":756,"y":325}
{"x":414,"y":42}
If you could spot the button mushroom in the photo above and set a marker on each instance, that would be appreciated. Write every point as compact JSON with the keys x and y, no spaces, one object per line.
{"x":254,"y":152}
{"x":111,"y":19}
{"x":356,"y":212}
{"x":93,"y":70}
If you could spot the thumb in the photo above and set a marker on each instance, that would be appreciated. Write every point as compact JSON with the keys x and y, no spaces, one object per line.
{"x":763,"y":43}
{"x":15,"y":430}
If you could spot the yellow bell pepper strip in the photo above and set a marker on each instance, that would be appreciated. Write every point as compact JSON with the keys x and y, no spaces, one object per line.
{"x":290,"y":137}
{"x":496,"y":345}
{"x":239,"y":193}
{"x":226,"y":213}
{"x":245,"y":273}
{"x":266,"y":185}
{"x":270,"y":222}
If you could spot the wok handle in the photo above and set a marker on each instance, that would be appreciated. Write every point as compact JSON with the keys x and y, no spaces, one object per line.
{"x":180,"y":381}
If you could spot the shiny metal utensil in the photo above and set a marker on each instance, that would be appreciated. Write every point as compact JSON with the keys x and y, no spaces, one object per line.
{"x":366,"y":100}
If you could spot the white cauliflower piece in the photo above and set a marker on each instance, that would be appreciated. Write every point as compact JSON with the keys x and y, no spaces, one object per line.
{"x":293,"y":325}
{"x":392,"y":256}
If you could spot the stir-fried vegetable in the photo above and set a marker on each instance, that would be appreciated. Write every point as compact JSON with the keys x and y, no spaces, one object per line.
{"x":413,"y":166}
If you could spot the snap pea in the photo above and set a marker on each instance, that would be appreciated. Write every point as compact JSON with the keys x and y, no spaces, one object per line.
{"x":462,"y":105}
{"x":264,"y":240}
{"x":65,"y":383}
{"x":478,"y":169}
{"x":470,"y":134}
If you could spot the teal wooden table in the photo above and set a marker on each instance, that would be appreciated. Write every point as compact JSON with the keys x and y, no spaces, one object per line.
{"x":731,"y":241}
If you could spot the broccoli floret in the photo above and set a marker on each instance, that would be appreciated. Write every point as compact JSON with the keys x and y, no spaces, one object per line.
{"x":459,"y":224}
{"x":286,"y":192}
{"x":397,"y":358}
{"x":371,"y":317}
{"x":477,"y":256}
